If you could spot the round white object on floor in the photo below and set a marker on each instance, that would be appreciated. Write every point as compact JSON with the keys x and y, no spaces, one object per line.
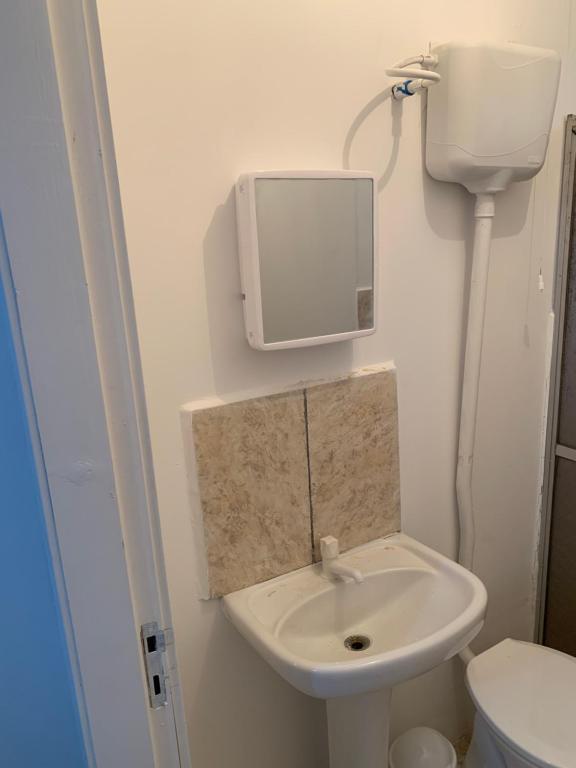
{"x":422,"y":748}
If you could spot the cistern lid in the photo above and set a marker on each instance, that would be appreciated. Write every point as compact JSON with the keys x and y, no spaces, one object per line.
{"x":527,"y":693}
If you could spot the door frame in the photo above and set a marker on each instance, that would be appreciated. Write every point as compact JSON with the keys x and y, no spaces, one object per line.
{"x":552,"y":448}
{"x":72,"y":309}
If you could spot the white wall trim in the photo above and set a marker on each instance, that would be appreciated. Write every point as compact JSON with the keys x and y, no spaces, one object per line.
{"x":87,"y":124}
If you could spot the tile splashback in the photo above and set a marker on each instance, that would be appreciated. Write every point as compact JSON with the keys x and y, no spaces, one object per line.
{"x":252,"y":475}
{"x":274,"y":474}
{"x":353,"y":459}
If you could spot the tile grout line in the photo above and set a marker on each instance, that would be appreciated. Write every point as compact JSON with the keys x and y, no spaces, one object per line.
{"x":310,"y":506}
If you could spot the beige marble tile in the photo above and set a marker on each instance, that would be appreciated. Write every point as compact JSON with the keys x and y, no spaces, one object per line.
{"x":353,"y":453}
{"x":253,"y":482}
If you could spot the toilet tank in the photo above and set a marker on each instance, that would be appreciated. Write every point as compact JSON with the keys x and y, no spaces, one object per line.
{"x":489,"y":118}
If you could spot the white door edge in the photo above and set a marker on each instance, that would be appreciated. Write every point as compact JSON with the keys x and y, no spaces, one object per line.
{"x":60,"y":203}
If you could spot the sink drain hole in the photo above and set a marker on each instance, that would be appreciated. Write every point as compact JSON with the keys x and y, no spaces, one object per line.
{"x":357,"y":642}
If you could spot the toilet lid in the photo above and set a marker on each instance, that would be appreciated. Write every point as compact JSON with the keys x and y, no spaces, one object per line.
{"x":527,"y":693}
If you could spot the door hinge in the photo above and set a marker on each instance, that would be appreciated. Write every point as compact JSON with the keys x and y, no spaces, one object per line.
{"x":154,"y":642}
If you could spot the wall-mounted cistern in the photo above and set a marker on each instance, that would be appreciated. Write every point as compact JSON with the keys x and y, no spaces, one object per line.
{"x":332,"y":566}
{"x":484,"y":138}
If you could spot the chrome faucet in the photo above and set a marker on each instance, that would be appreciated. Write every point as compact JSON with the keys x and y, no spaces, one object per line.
{"x":332,"y":567}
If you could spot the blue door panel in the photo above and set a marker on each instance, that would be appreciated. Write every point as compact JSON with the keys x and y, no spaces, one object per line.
{"x":39,"y":721}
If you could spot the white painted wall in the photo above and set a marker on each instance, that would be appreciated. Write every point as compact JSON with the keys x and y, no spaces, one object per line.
{"x":203,"y":91}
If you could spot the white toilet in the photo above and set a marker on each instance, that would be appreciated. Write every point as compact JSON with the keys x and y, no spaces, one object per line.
{"x":525,"y":697}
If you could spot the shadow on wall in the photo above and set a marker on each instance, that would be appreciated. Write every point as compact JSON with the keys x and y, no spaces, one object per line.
{"x":229,"y":667}
{"x":236,"y":365}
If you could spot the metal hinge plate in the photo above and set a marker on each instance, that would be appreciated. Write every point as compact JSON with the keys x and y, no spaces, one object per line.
{"x":154,"y":642}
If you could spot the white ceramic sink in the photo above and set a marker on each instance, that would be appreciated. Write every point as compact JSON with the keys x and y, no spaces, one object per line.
{"x":416,"y":607}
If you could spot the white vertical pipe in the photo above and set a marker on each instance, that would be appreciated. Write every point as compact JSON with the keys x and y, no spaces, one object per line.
{"x":483,"y":215}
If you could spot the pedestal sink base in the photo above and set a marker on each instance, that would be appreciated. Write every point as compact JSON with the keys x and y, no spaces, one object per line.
{"x":358,"y":730}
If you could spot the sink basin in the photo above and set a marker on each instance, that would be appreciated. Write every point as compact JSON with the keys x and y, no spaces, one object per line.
{"x":330,"y":638}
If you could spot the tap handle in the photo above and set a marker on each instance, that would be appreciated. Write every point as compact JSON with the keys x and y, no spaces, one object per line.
{"x":329,"y":548}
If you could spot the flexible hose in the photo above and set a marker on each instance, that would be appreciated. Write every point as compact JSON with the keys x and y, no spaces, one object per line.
{"x":483,"y":214}
{"x":423,"y":74}
{"x":405,"y":68}
{"x":415,"y":78}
